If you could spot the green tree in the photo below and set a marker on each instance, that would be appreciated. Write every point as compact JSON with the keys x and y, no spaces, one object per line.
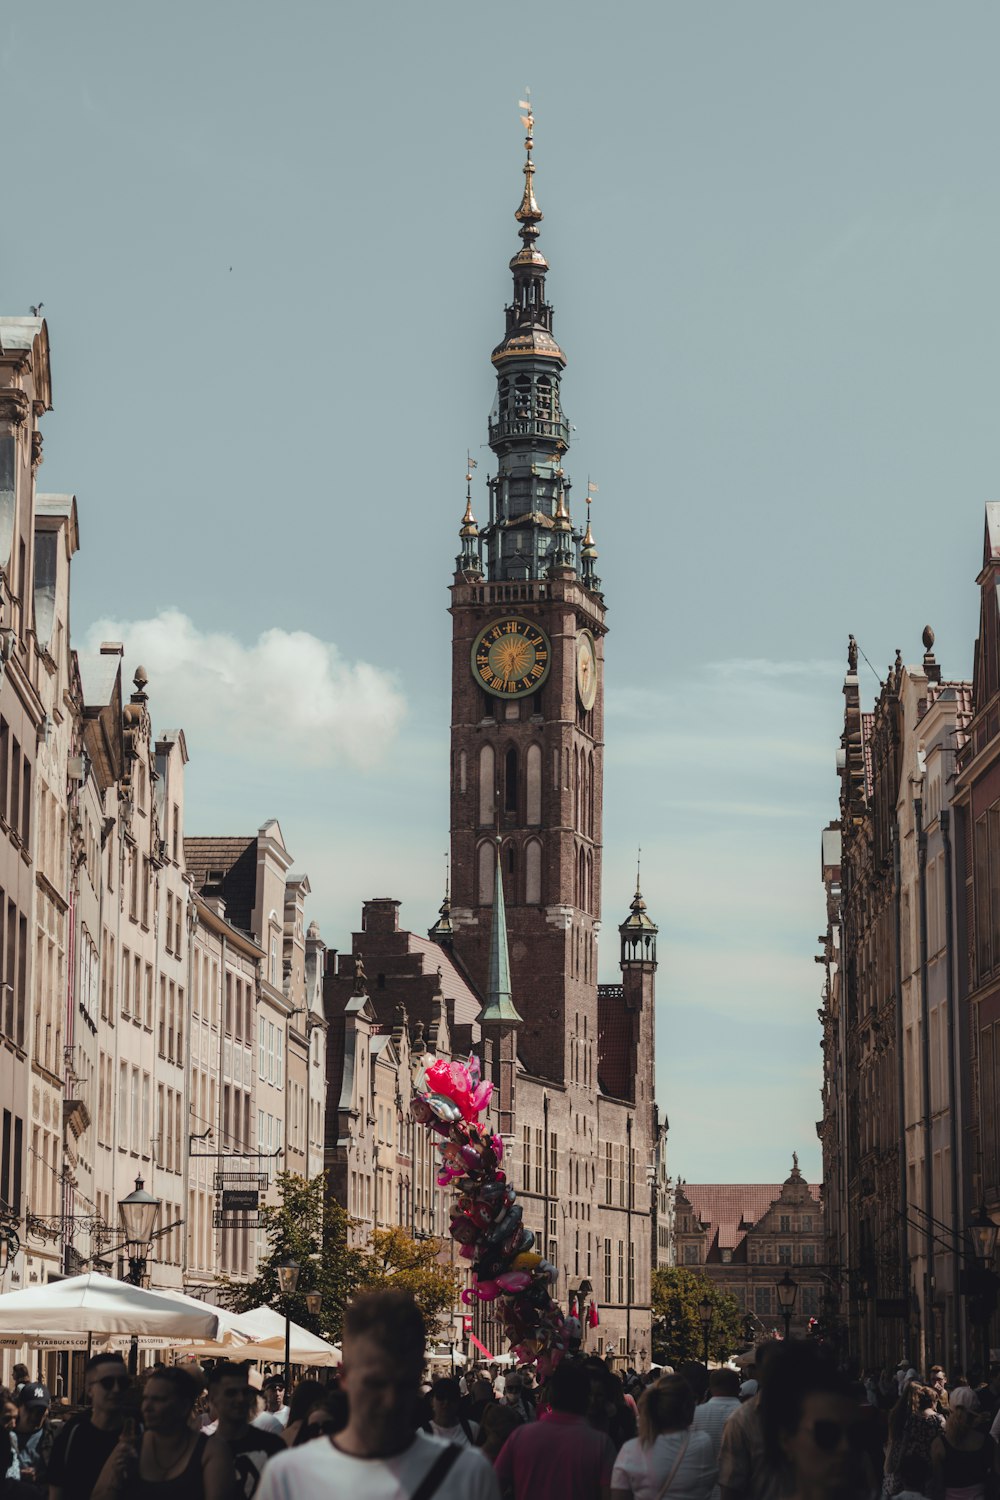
{"x":677,"y":1328}
{"x":307,"y":1226}
{"x":394,"y":1258}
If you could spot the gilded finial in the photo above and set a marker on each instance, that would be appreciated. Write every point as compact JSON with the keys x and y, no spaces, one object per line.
{"x":469,"y":527}
{"x":528,"y":215}
{"x":589,"y":550}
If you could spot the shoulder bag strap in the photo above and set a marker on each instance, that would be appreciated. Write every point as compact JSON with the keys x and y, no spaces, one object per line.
{"x":431,"y":1481}
{"x":673,"y":1472}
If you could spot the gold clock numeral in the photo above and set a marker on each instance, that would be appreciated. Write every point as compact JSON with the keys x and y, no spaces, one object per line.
{"x":510,"y":657}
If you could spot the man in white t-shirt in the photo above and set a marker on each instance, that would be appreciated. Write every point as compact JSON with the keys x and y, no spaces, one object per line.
{"x":448,"y":1421}
{"x":380,"y":1454}
{"x":274,"y":1417}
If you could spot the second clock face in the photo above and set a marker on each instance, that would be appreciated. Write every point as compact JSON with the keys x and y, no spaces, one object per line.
{"x":511,"y":657}
{"x":586,"y":669}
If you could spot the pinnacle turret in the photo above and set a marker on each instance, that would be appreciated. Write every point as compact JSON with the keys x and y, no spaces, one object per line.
{"x":498,"y":1007}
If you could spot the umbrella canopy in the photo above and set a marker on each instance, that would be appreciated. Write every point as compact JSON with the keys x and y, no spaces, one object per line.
{"x":265,"y":1329}
{"x":100,"y":1305}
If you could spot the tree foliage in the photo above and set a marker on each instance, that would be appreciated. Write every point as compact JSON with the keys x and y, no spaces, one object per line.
{"x":308,"y":1226}
{"x":677,"y":1328}
{"x":394,"y":1258}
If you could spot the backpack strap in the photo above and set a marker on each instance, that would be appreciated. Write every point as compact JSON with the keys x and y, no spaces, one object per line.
{"x":432,"y":1480}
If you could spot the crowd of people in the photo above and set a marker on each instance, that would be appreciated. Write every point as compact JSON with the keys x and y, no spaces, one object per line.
{"x":794,"y":1425}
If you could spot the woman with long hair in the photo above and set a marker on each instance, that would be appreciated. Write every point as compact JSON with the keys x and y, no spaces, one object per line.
{"x":667,"y":1461}
{"x":963,"y":1459}
{"x":914,"y":1423}
{"x":172,"y":1460}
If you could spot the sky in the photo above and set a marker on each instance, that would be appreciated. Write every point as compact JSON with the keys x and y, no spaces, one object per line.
{"x":272,"y":245}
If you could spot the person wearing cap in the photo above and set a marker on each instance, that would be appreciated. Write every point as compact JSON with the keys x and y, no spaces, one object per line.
{"x":34,"y":1435}
{"x":963,"y":1459}
{"x":274,"y":1417}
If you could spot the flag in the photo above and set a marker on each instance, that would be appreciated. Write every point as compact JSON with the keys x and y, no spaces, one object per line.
{"x":592,"y":1319}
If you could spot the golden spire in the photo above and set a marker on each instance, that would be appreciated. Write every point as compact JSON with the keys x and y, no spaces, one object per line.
{"x":469,"y":527}
{"x":589,"y":550}
{"x":529,"y":215}
{"x":561,"y":518}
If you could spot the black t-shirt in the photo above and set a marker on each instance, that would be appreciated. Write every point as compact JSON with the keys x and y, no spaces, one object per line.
{"x":79,"y":1454}
{"x":250,"y":1453}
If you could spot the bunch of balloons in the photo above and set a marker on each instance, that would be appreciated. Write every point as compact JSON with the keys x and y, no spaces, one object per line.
{"x":486,"y":1220}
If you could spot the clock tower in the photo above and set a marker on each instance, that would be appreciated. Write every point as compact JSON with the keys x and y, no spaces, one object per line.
{"x":528,"y":696}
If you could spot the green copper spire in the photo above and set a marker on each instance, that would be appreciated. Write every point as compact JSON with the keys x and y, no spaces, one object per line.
{"x":498,"y":1008}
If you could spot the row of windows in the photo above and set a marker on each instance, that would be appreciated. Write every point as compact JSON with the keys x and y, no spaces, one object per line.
{"x":692,"y":1255}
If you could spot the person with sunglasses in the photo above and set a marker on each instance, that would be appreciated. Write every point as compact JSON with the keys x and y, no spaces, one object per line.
{"x":325,"y":1418}
{"x":814,"y":1428}
{"x":84,"y":1444}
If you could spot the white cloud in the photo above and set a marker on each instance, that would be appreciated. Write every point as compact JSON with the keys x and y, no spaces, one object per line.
{"x":289,"y":697}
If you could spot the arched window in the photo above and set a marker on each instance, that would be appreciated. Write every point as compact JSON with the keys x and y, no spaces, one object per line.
{"x":581,"y":880}
{"x":533,"y":873}
{"x":487,"y":785}
{"x":486,"y":858}
{"x":590,"y":795}
{"x":533,"y":785}
{"x":576,"y":789}
{"x":510,"y":781}
{"x":460,"y":771}
{"x":590,"y":880}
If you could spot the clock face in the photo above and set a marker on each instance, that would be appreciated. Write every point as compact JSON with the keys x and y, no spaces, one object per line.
{"x":511,"y":657}
{"x":586,"y":669}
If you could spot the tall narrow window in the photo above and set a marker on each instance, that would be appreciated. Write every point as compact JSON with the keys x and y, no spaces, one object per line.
{"x":533,"y":785}
{"x":510,"y":781}
{"x":487,"y":785}
{"x":8,"y":473}
{"x":533,"y":872}
{"x":486,"y":857}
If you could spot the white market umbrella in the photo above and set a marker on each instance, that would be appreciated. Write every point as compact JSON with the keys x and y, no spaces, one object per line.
{"x":99,"y":1305}
{"x":265,"y":1329}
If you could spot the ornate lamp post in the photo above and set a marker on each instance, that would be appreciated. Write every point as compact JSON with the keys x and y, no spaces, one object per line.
{"x":705,"y":1313}
{"x":787,"y":1291}
{"x":288,"y":1280}
{"x":314,"y":1301}
{"x":138,"y":1214}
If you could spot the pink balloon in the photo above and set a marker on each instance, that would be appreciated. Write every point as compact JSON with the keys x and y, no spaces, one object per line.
{"x":514,"y":1281}
{"x":487,"y":1291}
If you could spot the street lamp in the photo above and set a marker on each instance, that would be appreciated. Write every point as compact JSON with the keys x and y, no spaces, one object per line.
{"x":314,"y":1301}
{"x":705,"y":1311}
{"x":787,"y":1290}
{"x":983,"y":1233}
{"x":288,"y":1280}
{"x":138,"y":1214}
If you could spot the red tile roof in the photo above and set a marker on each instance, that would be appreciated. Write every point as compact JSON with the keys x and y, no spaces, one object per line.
{"x":725,"y":1207}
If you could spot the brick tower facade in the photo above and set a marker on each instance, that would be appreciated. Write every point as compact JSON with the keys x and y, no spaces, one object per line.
{"x":528,"y":694}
